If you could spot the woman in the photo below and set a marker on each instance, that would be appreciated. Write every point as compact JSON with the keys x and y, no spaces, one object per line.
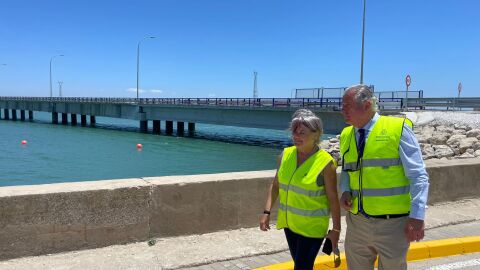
{"x":307,"y":184}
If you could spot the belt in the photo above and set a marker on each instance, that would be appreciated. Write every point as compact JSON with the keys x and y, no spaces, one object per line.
{"x":389,"y":216}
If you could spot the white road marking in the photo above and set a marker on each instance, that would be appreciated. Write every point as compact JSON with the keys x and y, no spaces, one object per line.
{"x":457,"y":265}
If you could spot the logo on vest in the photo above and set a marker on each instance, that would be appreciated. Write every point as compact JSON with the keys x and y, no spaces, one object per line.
{"x":383,"y":136}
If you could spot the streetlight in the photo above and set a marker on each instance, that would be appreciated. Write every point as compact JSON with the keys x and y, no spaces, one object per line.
{"x":363,"y":40}
{"x":51,"y":59}
{"x":138,"y":61}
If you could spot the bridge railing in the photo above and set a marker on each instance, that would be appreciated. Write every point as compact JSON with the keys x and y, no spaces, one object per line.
{"x":334,"y":103}
{"x":330,"y":103}
{"x":444,"y":103}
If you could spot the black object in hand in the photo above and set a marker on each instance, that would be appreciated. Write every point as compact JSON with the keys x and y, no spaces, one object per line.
{"x":327,"y":246}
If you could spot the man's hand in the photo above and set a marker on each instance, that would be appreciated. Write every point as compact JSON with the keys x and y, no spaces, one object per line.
{"x":414,"y":229}
{"x":346,"y":201}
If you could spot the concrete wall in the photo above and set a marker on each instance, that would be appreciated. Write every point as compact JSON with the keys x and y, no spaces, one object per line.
{"x":61,"y":217}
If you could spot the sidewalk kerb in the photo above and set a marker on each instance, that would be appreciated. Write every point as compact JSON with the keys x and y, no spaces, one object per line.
{"x":417,"y":251}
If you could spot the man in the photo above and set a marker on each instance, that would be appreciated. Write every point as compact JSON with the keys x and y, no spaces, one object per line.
{"x":384,"y":184}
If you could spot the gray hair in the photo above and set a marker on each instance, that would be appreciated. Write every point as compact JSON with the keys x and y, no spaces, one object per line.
{"x":363,"y":93}
{"x":309,"y":119}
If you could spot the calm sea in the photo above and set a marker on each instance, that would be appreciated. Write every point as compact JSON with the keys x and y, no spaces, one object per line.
{"x":58,"y":153}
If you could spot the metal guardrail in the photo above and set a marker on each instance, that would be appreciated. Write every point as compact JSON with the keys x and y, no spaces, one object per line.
{"x":330,"y":103}
{"x":444,"y":103}
{"x":334,"y":103}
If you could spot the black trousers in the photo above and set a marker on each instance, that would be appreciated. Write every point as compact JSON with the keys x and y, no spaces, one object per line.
{"x":303,"y":249}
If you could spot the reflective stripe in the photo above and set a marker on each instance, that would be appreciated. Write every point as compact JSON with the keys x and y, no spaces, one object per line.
{"x":381,"y":162}
{"x":382,"y":192}
{"x":352,"y":166}
{"x":306,"y":192}
{"x":307,"y":213}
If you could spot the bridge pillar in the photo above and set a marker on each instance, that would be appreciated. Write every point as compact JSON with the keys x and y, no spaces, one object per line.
{"x":54,"y":118}
{"x":22,"y":115}
{"x":83,"y":119}
{"x":30,"y":115}
{"x":180,"y":128}
{"x":92,"y":120}
{"x":73,"y":118}
{"x":169,"y":127}
{"x":191,"y":128}
{"x":156,"y":126}
{"x":64,"y":118}
{"x":1,"y":114}
{"x":144,"y":126}
{"x":6,"y":114}
{"x":14,"y":115}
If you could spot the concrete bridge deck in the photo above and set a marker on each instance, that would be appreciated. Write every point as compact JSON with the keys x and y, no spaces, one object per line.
{"x":269,"y":113}
{"x":256,"y":113}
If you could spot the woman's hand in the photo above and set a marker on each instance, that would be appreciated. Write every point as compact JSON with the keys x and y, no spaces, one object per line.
{"x":264,"y":222}
{"x":334,"y":236}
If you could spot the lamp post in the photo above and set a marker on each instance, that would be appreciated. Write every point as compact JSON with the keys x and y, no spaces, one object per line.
{"x":51,"y":59}
{"x":363,"y":40}
{"x":138,"y":62}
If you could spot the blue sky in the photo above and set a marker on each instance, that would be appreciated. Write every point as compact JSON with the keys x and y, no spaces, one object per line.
{"x":211,"y":48}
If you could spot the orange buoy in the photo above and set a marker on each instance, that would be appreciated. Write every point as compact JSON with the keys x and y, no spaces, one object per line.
{"x":139,"y":146}
{"x":24,"y":142}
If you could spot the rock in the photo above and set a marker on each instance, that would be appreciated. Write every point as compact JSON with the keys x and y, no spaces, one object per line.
{"x":438,"y":138}
{"x":336,"y":156}
{"x":467,"y":143}
{"x":465,"y":155}
{"x":428,"y":129}
{"x":459,"y":131}
{"x":473,"y":133}
{"x":324,"y":145}
{"x":441,"y":128}
{"x":470,"y":151}
{"x":443,"y":151}
{"x":334,"y":140}
{"x":476,"y":146}
{"x":458,"y":126}
{"x":423,"y":138}
{"x":428,"y":152}
{"x":425,"y":118}
{"x":477,"y":153}
{"x":455,"y":140}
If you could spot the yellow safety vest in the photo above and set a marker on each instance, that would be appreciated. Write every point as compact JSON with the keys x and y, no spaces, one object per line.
{"x":304,"y":207}
{"x":378,"y":179}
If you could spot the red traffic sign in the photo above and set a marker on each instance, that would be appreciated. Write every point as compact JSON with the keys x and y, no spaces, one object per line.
{"x":459,"y":87}
{"x":408,"y":80}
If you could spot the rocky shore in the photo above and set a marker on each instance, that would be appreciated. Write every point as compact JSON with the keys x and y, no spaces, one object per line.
{"x":442,"y":135}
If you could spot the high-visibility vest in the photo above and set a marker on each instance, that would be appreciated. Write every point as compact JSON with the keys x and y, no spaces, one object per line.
{"x":377,"y":180}
{"x":304,"y":207}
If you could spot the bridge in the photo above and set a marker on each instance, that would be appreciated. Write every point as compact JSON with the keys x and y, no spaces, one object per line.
{"x":244,"y":112}
{"x":269,"y":113}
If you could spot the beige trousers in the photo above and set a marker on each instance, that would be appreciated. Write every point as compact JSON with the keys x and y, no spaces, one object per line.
{"x":368,"y":237}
